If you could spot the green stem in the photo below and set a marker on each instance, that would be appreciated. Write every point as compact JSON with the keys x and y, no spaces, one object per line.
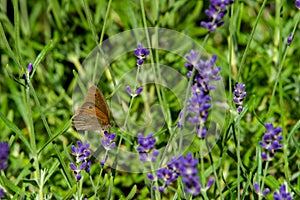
{"x":33,"y":139}
{"x":156,"y":193}
{"x":215,"y":174}
{"x":239,"y":161}
{"x":89,"y":20}
{"x":133,"y":96}
{"x":104,"y":23}
{"x":17,"y":30}
{"x":250,"y":39}
{"x":264,"y":177}
{"x":45,"y":123}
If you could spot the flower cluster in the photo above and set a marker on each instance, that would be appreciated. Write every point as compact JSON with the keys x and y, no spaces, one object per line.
{"x":202,"y":74}
{"x":107,"y":144}
{"x":297,"y":2}
{"x":146,"y":145}
{"x":82,"y":153}
{"x":4,"y":151}
{"x":198,"y":106}
{"x":271,"y":141}
{"x":283,"y":194}
{"x":258,"y":190}
{"x":216,"y":12}
{"x":167,"y":174}
{"x":239,"y":95}
{"x":141,"y":54}
{"x":189,"y":173}
{"x":137,"y":92}
{"x":184,"y":167}
{"x":205,"y":71}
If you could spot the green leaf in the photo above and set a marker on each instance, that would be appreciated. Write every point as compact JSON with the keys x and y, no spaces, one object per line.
{"x":58,"y":132}
{"x":131,"y":193}
{"x":11,"y":186}
{"x":70,"y":193}
{"x":16,"y":130}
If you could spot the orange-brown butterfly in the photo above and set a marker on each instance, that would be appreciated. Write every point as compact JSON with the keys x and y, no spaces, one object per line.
{"x":94,"y":113}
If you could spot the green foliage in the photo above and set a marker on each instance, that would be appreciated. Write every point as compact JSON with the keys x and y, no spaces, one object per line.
{"x":57,"y":37}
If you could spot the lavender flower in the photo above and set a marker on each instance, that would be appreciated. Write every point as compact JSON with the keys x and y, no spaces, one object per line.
{"x":239,"y":95}
{"x":141,"y":54}
{"x":271,"y":141}
{"x":198,"y":107}
{"x":297,"y":2}
{"x":202,"y":73}
{"x":205,"y":71}
{"x":210,"y":182}
{"x":290,"y":38}
{"x":184,"y":167}
{"x":108,"y":143}
{"x":29,"y":70}
{"x":137,"y":92}
{"x":4,"y":152}
{"x":283,"y":194}
{"x":82,"y":153}
{"x":1,"y":193}
{"x":188,"y":171}
{"x":258,"y":190}
{"x":167,"y":174}
{"x":146,"y":146}
{"x":216,"y":12}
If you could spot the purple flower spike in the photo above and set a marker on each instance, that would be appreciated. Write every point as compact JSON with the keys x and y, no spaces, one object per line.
{"x":290,"y":38}
{"x":4,"y":152}
{"x":271,"y":142}
{"x":204,"y":73}
{"x":198,"y":107}
{"x":189,"y":173}
{"x":215,"y":13}
{"x":146,"y":145}
{"x":239,"y":95}
{"x":297,"y":4}
{"x":82,"y":154}
{"x":141,"y":54}
{"x":184,"y":167}
{"x":283,"y":194}
{"x":107,"y":142}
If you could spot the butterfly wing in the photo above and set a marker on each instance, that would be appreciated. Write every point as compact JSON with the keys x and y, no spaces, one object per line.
{"x":95,"y":96}
{"x":94,"y":113}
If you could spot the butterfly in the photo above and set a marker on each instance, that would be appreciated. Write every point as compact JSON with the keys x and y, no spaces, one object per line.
{"x":94,"y":113}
